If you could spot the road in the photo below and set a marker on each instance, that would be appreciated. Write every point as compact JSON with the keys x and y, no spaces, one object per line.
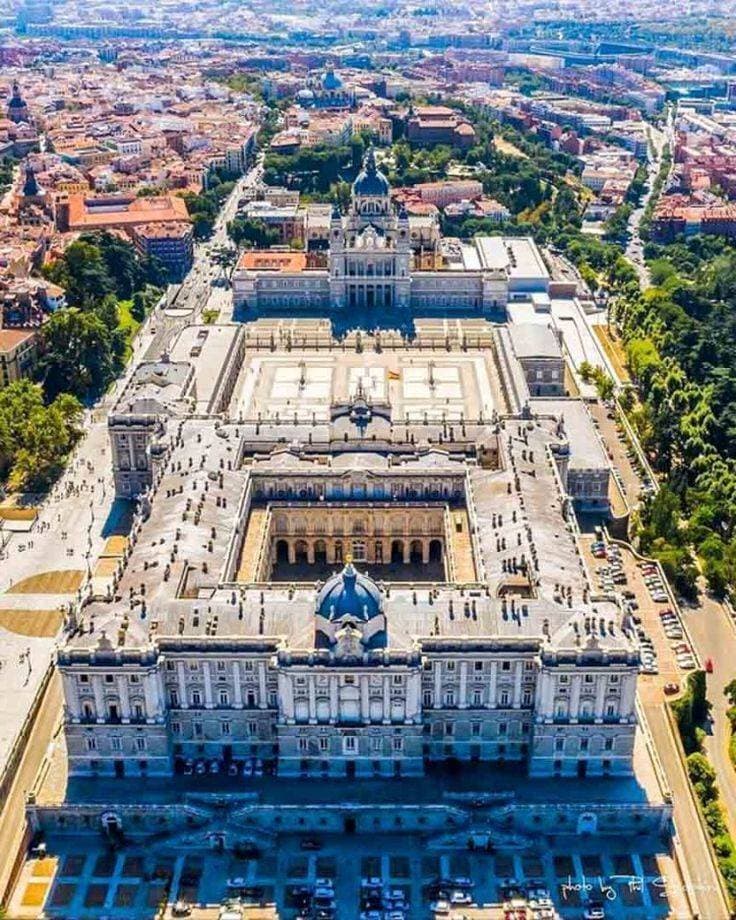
{"x":12,"y":817}
{"x":635,"y":246}
{"x":714,"y":636}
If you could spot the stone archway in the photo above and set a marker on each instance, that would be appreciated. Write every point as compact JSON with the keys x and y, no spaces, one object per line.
{"x":282,"y":551}
{"x":301,"y":552}
{"x":435,"y":551}
{"x":397,"y":551}
{"x":320,"y":552}
{"x":415,"y":552}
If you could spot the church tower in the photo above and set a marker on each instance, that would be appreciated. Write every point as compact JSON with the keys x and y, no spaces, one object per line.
{"x":17,"y":108}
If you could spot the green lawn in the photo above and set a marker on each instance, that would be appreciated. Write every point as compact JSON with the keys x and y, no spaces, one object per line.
{"x":128,"y":324}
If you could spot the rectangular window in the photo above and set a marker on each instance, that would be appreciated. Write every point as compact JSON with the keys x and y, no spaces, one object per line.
{"x":140,"y":743}
{"x":303,"y":745}
{"x":505,"y":665}
{"x":224,"y":698}
{"x":324,"y":744}
{"x":475,"y":729}
{"x":116,"y":744}
{"x":225,"y":728}
{"x":502,"y":728}
{"x":398,"y":744}
{"x":478,"y":665}
{"x":349,"y":744}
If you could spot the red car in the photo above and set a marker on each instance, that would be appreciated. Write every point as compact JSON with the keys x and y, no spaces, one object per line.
{"x":709,"y":665}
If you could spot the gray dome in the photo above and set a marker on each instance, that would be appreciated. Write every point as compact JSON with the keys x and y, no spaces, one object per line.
{"x":371,"y":182}
{"x":331,"y":81}
{"x":349,"y":594}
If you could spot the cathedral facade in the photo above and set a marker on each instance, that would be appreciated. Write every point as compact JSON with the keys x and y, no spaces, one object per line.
{"x":372,"y":266}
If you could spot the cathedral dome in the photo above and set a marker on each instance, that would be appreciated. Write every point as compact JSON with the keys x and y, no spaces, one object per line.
{"x":349,"y":594}
{"x":331,"y":81}
{"x":371,"y":182}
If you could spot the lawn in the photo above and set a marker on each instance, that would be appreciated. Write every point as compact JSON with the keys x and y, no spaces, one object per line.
{"x":128,"y":324}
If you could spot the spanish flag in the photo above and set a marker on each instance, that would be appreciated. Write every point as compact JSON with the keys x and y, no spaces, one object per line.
{"x":394,"y":375}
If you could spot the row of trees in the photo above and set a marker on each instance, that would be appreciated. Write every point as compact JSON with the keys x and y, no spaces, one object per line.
{"x":83,"y":347}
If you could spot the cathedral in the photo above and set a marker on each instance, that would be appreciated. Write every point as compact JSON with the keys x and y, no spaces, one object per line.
{"x":373,"y":266}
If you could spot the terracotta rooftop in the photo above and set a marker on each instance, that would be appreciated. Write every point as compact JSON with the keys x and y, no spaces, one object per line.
{"x":269,"y":260}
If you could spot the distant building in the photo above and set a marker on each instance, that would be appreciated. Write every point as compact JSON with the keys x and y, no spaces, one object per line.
{"x":171,"y":243}
{"x":17,"y":108}
{"x":123,"y":211}
{"x":326,"y":91}
{"x":18,"y":354}
{"x":437,"y":124}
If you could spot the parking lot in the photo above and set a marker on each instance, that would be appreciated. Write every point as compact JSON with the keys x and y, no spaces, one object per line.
{"x":80,"y":878}
{"x":664,"y":643}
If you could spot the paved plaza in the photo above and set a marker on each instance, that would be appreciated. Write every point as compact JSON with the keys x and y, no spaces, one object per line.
{"x":80,"y":878}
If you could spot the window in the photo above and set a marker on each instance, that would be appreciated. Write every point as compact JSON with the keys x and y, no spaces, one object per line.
{"x":449,"y":729}
{"x":169,"y":665}
{"x":303,"y":745}
{"x":197,"y":729}
{"x":116,"y":743}
{"x":193,"y":665}
{"x":477,"y":698}
{"x":220,"y":665}
{"x":611,"y":709}
{"x":449,"y":697}
{"x":249,"y":666}
{"x":559,"y":745}
{"x":450,"y":665}
{"x":140,"y":743}
{"x":224,"y":698}
{"x":613,"y":679}
{"x":84,"y":678}
{"x":109,"y":678}
{"x":225,"y":728}
{"x":91,"y":743}
{"x":427,"y":698}
{"x":503,"y":728}
{"x":477,"y":665}
{"x":526,"y":698}
{"x":135,"y":679}
{"x":504,"y":698}
{"x":564,"y":678}
{"x":588,"y":678}
{"x":505,"y":665}
{"x":397,"y":744}
{"x":176,"y":728}
{"x":349,"y":679}
{"x":349,"y":744}
{"x":583,"y":744}
{"x":324,"y":743}
{"x":377,"y":743}
{"x":138,"y":711}
{"x":475,"y":729}
{"x":196,"y":698}
{"x":398,"y":679}
{"x":608,"y":745}
{"x":173,"y":698}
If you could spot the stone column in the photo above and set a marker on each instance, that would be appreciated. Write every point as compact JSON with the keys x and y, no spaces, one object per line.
{"x":600,"y":696}
{"x":575,"y":697}
{"x":628,"y":697}
{"x":463,"y":701}
{"x":492,"y":685}
{"x":208,"y":704}
{"x":365,"y":703}
{"x":262,"y":692}
{"x":124,"y":697}
{"x":237,"y":689}
{"x":437,"y":685}
{"x":334,"y":700}
{"x":99,"y":697}
{"x":386,"y":700}
{"x":425,"y":551}
{"x":149,"y":691}
{"x":183,"y":699}
{"x":310,"y":552}
{"x":71,"y":695}
{"x":292,"y":552}
{"x":414,"y":697}
{"x":286,"y":696}
{"x":312,"y":700}
{"x":518,"y":669}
